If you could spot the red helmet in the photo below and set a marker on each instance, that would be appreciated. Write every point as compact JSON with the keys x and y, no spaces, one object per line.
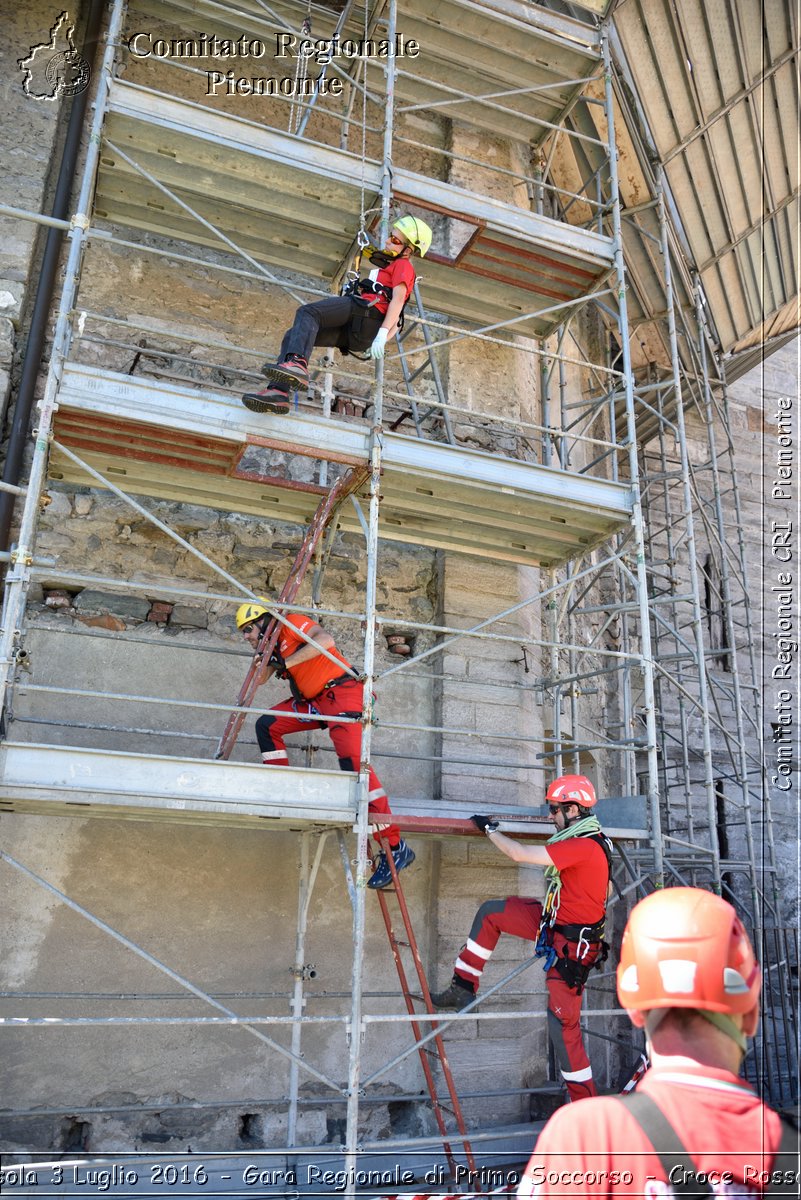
{"x":571,"y":789}
{"x":686,"y":948}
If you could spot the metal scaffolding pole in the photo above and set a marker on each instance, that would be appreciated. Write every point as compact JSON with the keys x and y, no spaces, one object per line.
{"x":357,"y":1029}
{"x":647,"y":664}
{"x":692,"y":556}
{"x":18,"y":578}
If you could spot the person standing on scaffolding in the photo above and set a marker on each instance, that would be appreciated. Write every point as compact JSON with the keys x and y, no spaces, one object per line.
{"x":363,"y":318}
{"x":567,"y":928}
{"x":318,"y":687}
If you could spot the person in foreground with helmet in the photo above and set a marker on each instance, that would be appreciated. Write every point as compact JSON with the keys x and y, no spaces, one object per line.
{"x":689,"y":978}
{"x":364,"y":318}
{"x":318,"y":687}
{"x":567,"y":928}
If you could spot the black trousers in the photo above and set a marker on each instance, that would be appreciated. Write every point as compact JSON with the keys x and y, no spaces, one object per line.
{"x":338,"y":321}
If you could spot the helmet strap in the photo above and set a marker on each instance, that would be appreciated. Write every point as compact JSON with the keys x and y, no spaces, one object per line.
{"x":725,"y":1024}
{"x":721,"y":1021}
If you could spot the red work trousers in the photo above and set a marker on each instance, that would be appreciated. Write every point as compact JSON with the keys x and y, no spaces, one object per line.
{"x":521,"y":918}
{"x":342,"y":700}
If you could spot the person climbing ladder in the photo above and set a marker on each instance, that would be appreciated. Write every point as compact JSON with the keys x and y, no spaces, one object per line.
{"x":362,"y":319}
{"x":319,"y":688}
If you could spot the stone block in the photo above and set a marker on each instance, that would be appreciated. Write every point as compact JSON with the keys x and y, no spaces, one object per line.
{"x":104,"y":621}
{"x":159,"y":612}
{"x":187,"y":614}
{"x":59,"y":506}
{"x":480,"y":883}
{"x":82,"y":505}
{"x":7,"y":334}
{"x":57,"y":598}
{"x":93,"y":601}
{"x":458,"y":714}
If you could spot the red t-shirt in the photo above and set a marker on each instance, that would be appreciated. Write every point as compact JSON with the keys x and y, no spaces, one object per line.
{"x":310,"y":676}
{"x":400,"y":270}
{"x":585,"y":880}
{"x":595,"y":1148}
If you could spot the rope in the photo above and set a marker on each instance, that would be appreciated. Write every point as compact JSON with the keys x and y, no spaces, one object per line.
{"x":301,"y":75}
{"x":583,"y":828}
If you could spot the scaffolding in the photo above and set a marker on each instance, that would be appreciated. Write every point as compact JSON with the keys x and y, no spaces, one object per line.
{"x":636,"y":543}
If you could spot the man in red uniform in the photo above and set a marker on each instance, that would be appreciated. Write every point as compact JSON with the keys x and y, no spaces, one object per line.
{"x":318,"y":687}
{"x":362,"y":319}
{"x":688,"y":976}
{"x":567,"y":928}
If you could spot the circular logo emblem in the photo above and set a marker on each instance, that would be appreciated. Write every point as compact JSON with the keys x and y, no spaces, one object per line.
{"x":68,"y":73}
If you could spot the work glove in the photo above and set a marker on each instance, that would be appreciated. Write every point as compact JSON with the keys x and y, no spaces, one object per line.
{"x":485,"y":824}
{"x":379,"y":342}
{"x":278,"y":667}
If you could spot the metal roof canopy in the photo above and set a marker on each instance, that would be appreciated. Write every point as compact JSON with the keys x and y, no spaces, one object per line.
{"x":293,"y":203}
{"x":467,"y":49}
{"x":718,"y":88}
{"x":176,"y":443}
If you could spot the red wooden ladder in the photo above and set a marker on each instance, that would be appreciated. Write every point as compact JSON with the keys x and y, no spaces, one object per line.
{"x":433,"y":1050}
{"x":343,"y":488}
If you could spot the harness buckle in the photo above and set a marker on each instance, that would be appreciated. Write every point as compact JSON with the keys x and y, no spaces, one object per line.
{"x":583,"y":944}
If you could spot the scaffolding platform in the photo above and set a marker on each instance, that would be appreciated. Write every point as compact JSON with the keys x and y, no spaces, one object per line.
{"x":159,"y":439}
{"x":74,"y":781}
{"x":296,"y":204}
{"x":467,"y":50}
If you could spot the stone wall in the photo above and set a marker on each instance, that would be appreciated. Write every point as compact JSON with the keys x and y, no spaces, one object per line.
{"x":764,"y":415}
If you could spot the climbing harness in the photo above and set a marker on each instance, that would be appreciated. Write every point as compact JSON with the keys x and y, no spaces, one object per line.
{"x":573,"y":971}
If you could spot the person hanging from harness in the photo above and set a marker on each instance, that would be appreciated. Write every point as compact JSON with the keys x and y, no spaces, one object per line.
{"x":319,"y":687}
{"x":363,"y":318}
{"x":567,"y":928}
{"x":688,"y":978}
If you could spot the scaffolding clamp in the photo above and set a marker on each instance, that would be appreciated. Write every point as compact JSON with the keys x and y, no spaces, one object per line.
{"x":303,"y":971}
{"x":22,"y":555}
{"x":79,"y":221}
{"x":23,"y":659}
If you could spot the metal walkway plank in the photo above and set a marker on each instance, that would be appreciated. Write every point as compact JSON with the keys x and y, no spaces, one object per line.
{"x":71,"y":780}
{"x":183,"y":444}
{"x":267,"y":190}
{"x":76,"y":781}
{"x":476,"y":46}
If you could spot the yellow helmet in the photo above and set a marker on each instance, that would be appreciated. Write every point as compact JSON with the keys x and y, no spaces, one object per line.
{"x":416,"y":232}
{"x":246,"y":613}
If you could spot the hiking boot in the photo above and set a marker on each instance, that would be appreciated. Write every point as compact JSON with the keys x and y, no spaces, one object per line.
{"x":402,"y":856}
{"x":292,"y":369}
{"x":270,"y":399}
{"x":457,"y":994}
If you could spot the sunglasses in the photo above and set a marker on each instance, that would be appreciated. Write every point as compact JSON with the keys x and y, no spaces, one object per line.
{"x":393,"y":237}
{"x":246,"y":629}
{"x":553,"y":809}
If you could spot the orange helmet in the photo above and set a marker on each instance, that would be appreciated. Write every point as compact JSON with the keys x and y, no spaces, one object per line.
{"x":571,"y":789}
{"x":686,"y":948}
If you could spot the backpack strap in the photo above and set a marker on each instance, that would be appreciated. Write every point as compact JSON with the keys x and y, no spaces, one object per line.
{"x":784,"y":1171}
{"x":667,"y":1144}
{"x":786,"y":1167}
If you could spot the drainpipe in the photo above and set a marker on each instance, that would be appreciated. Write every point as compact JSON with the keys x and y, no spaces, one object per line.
{"x":31,"y":364}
